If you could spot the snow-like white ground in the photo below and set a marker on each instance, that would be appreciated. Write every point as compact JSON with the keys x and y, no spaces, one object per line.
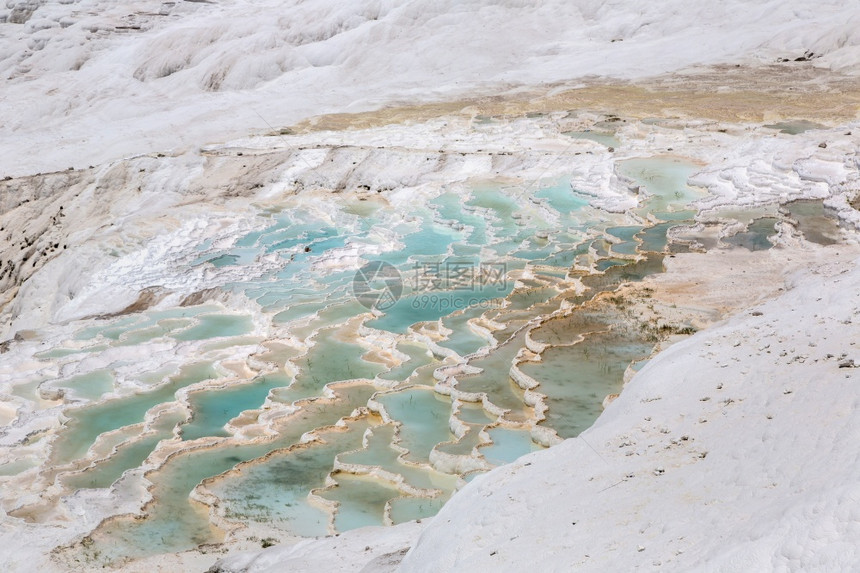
{"x":735,"y":450}
{"x":87,"y":81}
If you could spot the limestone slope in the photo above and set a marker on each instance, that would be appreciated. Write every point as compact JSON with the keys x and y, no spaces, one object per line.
{"x":735,"y":450}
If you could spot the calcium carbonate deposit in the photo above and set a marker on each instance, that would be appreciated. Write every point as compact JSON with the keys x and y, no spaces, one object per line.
{"x":429,"y":286}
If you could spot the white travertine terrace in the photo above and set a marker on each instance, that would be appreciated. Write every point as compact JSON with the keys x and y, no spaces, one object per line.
{"x":133,"y":223}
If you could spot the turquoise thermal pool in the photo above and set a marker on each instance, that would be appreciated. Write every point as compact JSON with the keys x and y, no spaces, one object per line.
{"x":282,"y":402}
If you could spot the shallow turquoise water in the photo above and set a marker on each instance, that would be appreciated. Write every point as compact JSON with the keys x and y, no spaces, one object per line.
{"x":603,"y":138}
{"x":86,"y":424}
{"x":405,"y":509}
{"x":211,"y":409}
{"x":665,"y":180}
{"x":535,"y":234}
{"x":626,"y":234}
{"x":473,"y":413}
{"x":115,"y":329}
{"x":607,"y":263}
{"x":329,"y":360}
{"x":815,"y":222}
{"x":755,"y":238}
{"x":361,"y":501}
{"x":174,"y":523}
{"x":466,"y":445}
{"x":430,"y":306}
{"x":463,"y":340}
{"x":566,"y":257}
{"x":113,"y":332}
{"x":60,"y":352}
{"x":276,"y":491}
{"x":129,"y":455}
{"x":217,"y":325}
{"x":418,"y":356}
{"x":654,"y":238}
{"x":424,"y":415}
{"x":379,"y":452}
{"x":495,"y":380}
{"x":17,"y":466}
{"x":450,"y":207}
{"x":508,"y":445}
{"x":577,"y":378}
{"x":563,"y":199}
{"x":89,"y":386}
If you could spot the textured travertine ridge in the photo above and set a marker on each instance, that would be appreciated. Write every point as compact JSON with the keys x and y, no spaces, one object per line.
{"x":734,"y":180}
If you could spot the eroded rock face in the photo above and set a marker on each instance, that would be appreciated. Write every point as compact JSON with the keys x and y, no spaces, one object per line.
{"x":33,"y":224}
